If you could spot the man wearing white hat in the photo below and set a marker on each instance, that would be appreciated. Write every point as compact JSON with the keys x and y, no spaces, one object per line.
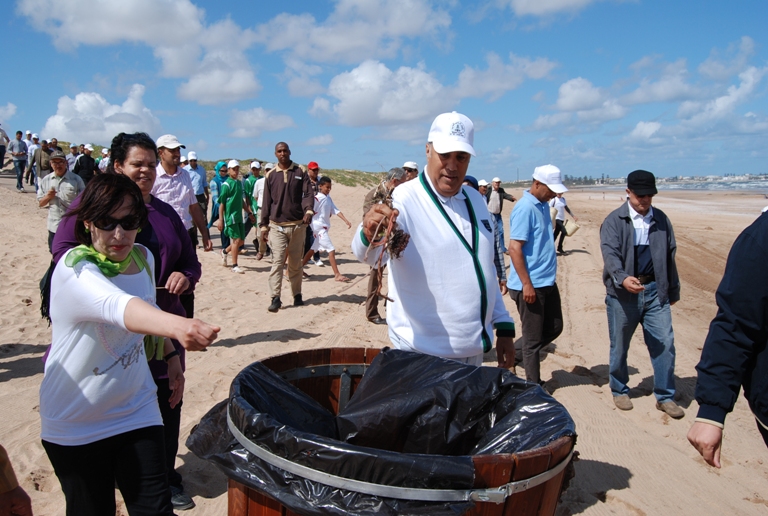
{"x":248,"y":187}
{"x":443,"y":307}
{"x":495,"y":197}
{"x":174,"y":186}
{"x":85,"y":165}
{"x":411,"y":170}
{"x":27,"y":138}
{"x":532,"y":280}
{"x":199,"y":179}
{"x":31,"y":169}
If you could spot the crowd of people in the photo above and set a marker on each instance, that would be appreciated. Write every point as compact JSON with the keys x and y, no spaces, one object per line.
{"x":124,"y":233}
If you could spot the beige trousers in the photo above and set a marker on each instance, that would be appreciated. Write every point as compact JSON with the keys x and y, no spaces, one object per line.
{"x":286,"y":240}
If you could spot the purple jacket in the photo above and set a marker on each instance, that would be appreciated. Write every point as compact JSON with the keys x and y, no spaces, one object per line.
{"x":168,"y":240}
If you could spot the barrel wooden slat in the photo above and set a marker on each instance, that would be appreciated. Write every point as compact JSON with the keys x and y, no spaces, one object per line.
{"x":491,"y":471}
{"x":263,"y":505}
{"x":527,"y":465}
{"x":282,"y":363}
{"x":237,"y":498}
{"x":559,"y":449}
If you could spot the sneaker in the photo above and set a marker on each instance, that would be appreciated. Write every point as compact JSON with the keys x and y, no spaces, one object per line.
{"x":21,"y":189}
{"x":297,"y":301}
{"x":276,"y":304}
{"x":237,"y":269}
{"x":223,"y":257}
{"x":623,"y":402}
{"x":180,"y":500}
{"x":319,"y":263}
{"x":671,"y":408}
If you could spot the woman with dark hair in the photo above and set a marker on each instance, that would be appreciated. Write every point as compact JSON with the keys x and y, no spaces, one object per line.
{"x":178,"y":271}
{"x":100,"y":420}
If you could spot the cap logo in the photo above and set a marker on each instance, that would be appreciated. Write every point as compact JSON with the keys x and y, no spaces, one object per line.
{"x":457,"y":129}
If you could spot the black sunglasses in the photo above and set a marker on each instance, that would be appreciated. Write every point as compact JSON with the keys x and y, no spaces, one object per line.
{"x":129,"y":223}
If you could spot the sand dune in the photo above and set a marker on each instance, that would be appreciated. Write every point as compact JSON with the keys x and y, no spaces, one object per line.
{"x":636,"y":462}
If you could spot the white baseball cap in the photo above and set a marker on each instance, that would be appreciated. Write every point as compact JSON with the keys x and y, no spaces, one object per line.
{"x":452,"y":132}
{"x":105,"y":151}
{"x":269,"y":166}
{"x":255,"y":164}
{"x":495,"y":180}
{"x":183,"y":159}
{"x":411,"y":164}
{"x":482,"y":182}
{"x":27,"y":132}
{"x":550,"y":176}
{"x":169,"y":141}
{"x":233,"y":163}
{"x":192,"y":155}
{"x":35,"y":136}
{"x":88,"y":146}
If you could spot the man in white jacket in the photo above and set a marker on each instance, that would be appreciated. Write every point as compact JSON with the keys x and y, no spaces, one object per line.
{"x":445,"y":298}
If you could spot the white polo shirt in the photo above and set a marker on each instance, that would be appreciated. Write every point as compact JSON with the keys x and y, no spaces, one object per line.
{"x":176,"y":190}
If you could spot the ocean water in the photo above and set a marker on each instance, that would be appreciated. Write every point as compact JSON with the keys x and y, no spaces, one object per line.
{"x":753,"y":186}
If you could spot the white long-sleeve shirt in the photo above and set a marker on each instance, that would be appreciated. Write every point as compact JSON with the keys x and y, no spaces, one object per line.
{"x":445,"y":302}
{"x":97,"y":382}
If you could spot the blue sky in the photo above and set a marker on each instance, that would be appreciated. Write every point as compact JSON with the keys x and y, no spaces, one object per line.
{"x":592,"y":86}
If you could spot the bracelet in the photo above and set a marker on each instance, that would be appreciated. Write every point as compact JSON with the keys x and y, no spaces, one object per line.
{"x":170,"y":355}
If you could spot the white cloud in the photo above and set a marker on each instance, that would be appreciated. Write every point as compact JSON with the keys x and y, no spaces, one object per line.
{"x":503,"y":156}
{"x":90,"y":118}
{"x":7,"y":112}
{"x":578,"y":94}
{"x":723,"y":106}
{"x":253,"y":122}
{"x":174,"y":29}
{"x":372,"y":94}
{"x":356,"y":30}
{"x":325,"y":139}
{"x":544,"y":122}
{"x":671,"y":86}
{"x":320,"y":107}
{"x":501,"y":77}
{"x":722,"y":68}
{"x":644,"y":130}
{"x":546,"y":7}
{"x":609,"y":110}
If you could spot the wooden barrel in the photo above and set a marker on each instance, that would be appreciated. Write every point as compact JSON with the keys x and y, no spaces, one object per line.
{"x":330,"y":377}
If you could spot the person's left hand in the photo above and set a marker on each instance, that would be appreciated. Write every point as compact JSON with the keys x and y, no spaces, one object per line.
{"x":707,"y":439}
{"x":505,"y":352}
{"x":503,"y":287}
{"x":15,"y":502}
{"x":220,"y":225}
{"x":207,"y":244}
{"x":307,"y":218}
{"x":175,"y":381}
{"x":177,"y":283}
{"x":349,"y":226}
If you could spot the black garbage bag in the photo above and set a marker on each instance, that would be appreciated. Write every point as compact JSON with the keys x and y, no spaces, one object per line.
{"x":414,"y":421}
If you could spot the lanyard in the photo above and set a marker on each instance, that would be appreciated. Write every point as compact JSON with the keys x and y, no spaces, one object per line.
{"x":472,"y":250}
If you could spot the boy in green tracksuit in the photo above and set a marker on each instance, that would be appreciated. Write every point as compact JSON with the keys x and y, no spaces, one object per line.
{"x":250,"y":199}
{"x":231,"y":214}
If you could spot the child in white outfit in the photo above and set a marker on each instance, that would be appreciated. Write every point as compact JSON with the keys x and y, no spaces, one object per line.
{"x":321,"y":223}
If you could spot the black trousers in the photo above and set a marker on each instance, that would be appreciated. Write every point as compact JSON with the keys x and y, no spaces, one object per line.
{"x":560,"y":229}
{"x":134,"y":460}
{"x":171,"y":427}
{"x":541,"y":323}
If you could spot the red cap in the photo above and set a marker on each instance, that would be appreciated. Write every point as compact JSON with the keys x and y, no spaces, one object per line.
{"x":313,"y":165}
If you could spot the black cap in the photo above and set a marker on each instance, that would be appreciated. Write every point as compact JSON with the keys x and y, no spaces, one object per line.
{"x":57,"y":154}
{"x":642,"y":182}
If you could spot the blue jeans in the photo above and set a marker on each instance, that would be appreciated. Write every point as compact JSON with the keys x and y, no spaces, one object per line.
{"x":497,"y":218}
{"x":623,"y":317}
{"x":19,"y":166}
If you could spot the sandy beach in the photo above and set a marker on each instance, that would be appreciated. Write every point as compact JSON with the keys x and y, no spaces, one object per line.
{"x":637,"y":462}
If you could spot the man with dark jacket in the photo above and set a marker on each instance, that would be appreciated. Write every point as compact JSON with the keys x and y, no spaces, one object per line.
{"x":641,"y":282}
{"x":734,"y":354}
{"x":495,"y":197}
{"x":285,"y":214}
{"x":85,"y":165}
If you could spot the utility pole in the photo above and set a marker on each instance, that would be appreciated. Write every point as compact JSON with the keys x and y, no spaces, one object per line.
{"x":518,"y":174}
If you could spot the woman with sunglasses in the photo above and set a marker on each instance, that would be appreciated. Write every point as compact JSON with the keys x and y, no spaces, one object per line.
{"x":177,"y":272}
{"x":100,"y":420}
